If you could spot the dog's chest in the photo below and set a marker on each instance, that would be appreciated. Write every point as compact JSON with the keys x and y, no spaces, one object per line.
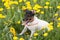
{"x":32,"y":27}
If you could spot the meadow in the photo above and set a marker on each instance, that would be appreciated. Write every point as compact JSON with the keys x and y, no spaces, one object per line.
{"x":11,"y":15}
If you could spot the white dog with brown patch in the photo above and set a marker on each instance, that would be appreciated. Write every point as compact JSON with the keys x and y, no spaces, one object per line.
{"x":37,"y":24}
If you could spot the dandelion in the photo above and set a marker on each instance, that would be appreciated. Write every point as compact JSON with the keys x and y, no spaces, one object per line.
{"x":46,"y":7}
{"x":15,"y":38}
{"x":34,"y":1}
{"x":45,"y":34}
{"x":12,"y":30}
{"x":27,"y":3}
{"x":58,"y":7}
{"x":21,"y":39}
{"x":56,"y":14}
{"x":20,"y":0}
{"x":29,"y":7}
{"x":13,"y":2}
{"x":34,"y":8}
{"x":58,"y":19}
{"x":50,"y":27}
{"x":18,"y":22}
{"x":50,"y":7}
{"x":37,"y":11}
{"x":7,"y":5}
{"x":1,"y":9}
{"x":24,"y":7}
{"x":58,"y":25}
{"x":42,"y":12}
{"x":51,"y":23}
{"x":2,"y":16}
{"x":37,"y":6}
{"x":24,"y":0}
{"x":47,"y":3}
{"x":35,"y":34}
{"x":3,"y":0}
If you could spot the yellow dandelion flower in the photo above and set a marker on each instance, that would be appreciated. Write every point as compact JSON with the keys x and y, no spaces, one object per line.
{"x":50,"y":27}
{"x":3,"y":0}
{"x":34,"y":1}
{"x":28,"y":2}
{"x":58,"y":7}
{"x":12,"y":30}
{"x":37,"y":11}
{"x":29,"y":7}
{"x":42,"y":12}
{"x":13,"y":2}
{"x":47,"y":3}
{"x":50,"y":7}
{"x":8,"y":7}
{"x":2,"y":16}
{"x":58,"y":25}
{"x":24,"y":0}
{"x":34,"y":8}
{"x":45,"y":34}
{"x":38,"y":6}
{"x":35,"y":34}
{"x":21,"y":39}
{"x":24,"y":7}
{"x":46,"y":7}
{"x":58,"y":19}
{"x":20,"y":0}
{"x":15,"y":38}
{"x":18,"y":22}
{"x":51,"y":23}
{"x":1,"y":9}
{"x":56,"y":14}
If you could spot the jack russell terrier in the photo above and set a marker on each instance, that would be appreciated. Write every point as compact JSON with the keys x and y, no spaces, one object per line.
{"x":32,"y":23}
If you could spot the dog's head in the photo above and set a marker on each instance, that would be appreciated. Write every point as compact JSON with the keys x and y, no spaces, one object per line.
{"x":28,"y":16}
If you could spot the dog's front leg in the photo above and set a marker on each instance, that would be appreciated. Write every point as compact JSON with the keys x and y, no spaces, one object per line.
{"x":24,"y":30}
{"x":32,"y":32}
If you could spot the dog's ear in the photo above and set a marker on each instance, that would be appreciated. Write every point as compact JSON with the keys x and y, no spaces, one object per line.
{"x":25,"y":10}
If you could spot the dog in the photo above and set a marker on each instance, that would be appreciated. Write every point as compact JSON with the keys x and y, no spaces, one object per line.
{"x":32,"y":23}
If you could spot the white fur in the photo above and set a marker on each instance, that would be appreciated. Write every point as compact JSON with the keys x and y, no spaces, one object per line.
{"x":37,"y":24}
